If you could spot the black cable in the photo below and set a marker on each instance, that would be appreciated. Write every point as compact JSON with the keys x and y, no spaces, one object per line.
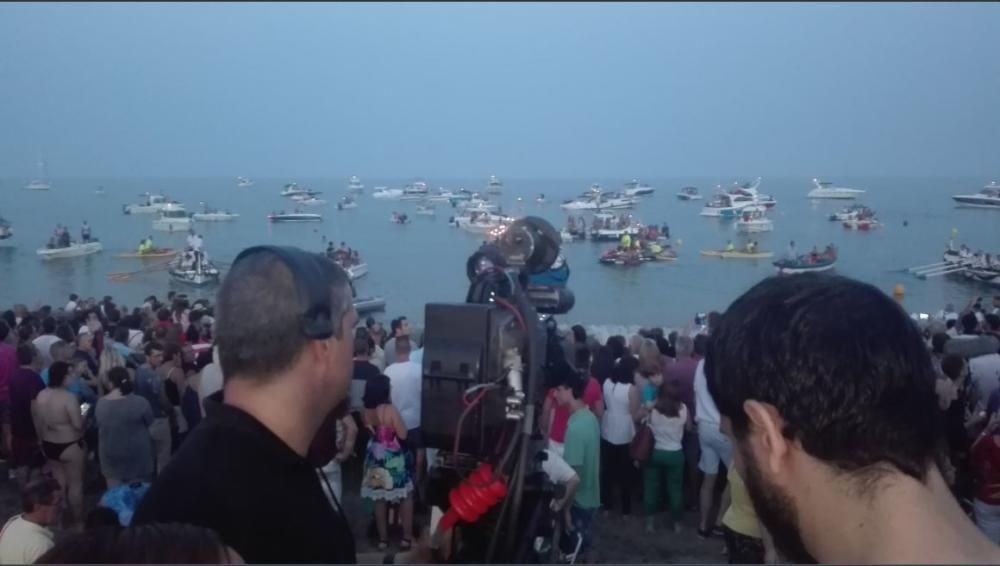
{"x":491,"y":550}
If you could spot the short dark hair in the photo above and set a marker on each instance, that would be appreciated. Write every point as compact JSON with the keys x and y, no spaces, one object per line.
{"x":73,"y":296}
{"x":396,"y":324}
{"x":260,"y":324}
{"x":151,"y":347}
{"x":970,"y":323}
{"x":121,"y":334}
{"x":40,"y":491}
{"x":120,"y":379}
{"x":603,"y":365}
{"x":154,"y":543}
{"x":617,"y":345}
{"x":163,"y":315}
{"x":26,"y":353}
{"x":563,"y":375}
{"x":57,"y":374}
{"x":65,"y":333}
{"x":938,"y":341}
{"x":581,"y":357}
{"x":362,"y":345}
{"x":700,"y":345}
{"x":171,"y":351}
{"x":579,"y":334}
{"x":952,"y":366}
{"x":841,"y":362}
{"x":48,"y":325}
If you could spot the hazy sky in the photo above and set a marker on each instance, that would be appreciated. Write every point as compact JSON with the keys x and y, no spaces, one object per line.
{"x":531,"y":90}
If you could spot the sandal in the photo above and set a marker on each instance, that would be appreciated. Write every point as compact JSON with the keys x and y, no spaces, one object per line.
{"x":382,"y":546}
{"x":405,"y":544}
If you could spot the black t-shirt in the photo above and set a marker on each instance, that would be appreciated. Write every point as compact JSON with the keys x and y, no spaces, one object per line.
{"x":363,"y":370}
{"x":235,"y":476}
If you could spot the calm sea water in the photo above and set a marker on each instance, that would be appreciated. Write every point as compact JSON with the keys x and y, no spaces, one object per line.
{"x":425,"y":260}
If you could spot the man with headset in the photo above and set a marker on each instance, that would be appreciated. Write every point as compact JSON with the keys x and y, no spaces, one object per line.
{"x":285,"y":345}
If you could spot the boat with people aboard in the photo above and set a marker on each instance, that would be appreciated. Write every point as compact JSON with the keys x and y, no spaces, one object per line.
{"x":850,"y":213}
{"x":346,"y":203}
{"x":74,"y":249}
{"x":689,"y":193}
{"x":173,"y":217}
{"x":862,"y":224}
{"x":575,"y":229}
{"x":754,"y":219}
{"x":988,"y":197}
{"x":633,"y":257}
{"x":293,"y":189}
{"x":212,"y":214}
{"x":311,"y":201}
{"x":6,"y":231}
{"x":595,"y":199}
{"x":194,"y":268}
{"x":494,"y":186}
{"x":425,"y":210}
{"x":481,"y":222}
{"x":387,"y":193}
{"x":827,"y":190}
{"x":153,"y":253}
{"x":814,"y":261}
{"x":151,"y":204}
{"x":296,"y":216}
{"x":976,"y":266}
{"x":399,"y":218}
{"x":606,"y":227}
{"x":737,"y":254}
{"x":355,"y":186}
{"x":244,"y":182}
{"x":348,"y":259}
{"x":636,"y":189}
{"x":477,"y":204}
{"x":726,"y":205}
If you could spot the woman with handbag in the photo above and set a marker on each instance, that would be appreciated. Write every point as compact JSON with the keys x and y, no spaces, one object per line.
{"x":665,"y":468}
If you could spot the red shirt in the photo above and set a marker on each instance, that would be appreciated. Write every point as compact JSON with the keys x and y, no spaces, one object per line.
{"x":986,"y":463}
{"x":560,"y":417}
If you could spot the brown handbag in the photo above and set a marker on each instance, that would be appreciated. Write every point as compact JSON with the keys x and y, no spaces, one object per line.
{"x":641,"y":448}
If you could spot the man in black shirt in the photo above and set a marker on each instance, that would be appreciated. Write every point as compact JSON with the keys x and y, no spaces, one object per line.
{"x":243,"y":471}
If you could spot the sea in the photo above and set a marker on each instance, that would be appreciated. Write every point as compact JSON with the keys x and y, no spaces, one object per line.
{"x":424,"y":261}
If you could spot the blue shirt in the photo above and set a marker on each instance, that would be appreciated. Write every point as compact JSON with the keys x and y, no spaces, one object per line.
{"x":82,"y":391}
{"x":149,"y":385}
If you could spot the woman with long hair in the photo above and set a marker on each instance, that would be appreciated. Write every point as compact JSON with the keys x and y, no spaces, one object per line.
{"x":668,"y":417}
{"x":123,"y":420}
{"x":621,"y":400}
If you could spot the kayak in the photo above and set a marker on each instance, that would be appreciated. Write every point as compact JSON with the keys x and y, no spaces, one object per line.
{"x":156,"y":253}
{"x":736,"y":255}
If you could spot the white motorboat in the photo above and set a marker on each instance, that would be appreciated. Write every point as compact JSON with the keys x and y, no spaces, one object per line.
{"x":244,"y":182}
{"x":151,"y":204}
{"x":209,"y":214}
{"x":754,"y":219}
{"x":346,"y":203}
{"x":689,"y":193}
{"x":636,"y":189}
{"x":6,"y":231}
{"x":478,"y":205}
{"x":173,"y":217}
{"x":461,"y":195}
{"x":441,"y":196}
{"x":387,"y":193}
{"x":308,"y":194}
{"x":75,"y":249}
{"x":481,"y":222}
{"x":989,"y":197}
{"x":39,"y":183}
{"x":415,"y":191}
{"x":540,"y":199}
{"x":193,"y":268}
{"x":495,"y":185}
{"x":293,"y":189}
{"x":357,"y":271}
{"x":99,"y":190}
{"x":726,"y":205}
{"x":312,"y":201}
{"x":850,"y":213}
{"x":827,"y":190}
{"x":594,"y":199}
{"x":425,"y":210}
{"x":294,"y":217}
{"x":354,"y":185}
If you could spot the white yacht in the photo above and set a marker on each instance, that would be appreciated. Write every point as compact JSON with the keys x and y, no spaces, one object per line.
{"x":355,"y":185}
{"x":594,"y":199}
{"x":415,"y":191}
{"x":173,"y":217}
{"x":151,"y":204}
{"x":989,"y":197}
{"x":827,"y":190}
{"x":307,"y":195}
{"x":495,"y":186}
{"x":636,"y":189}
{"x":387,"y":193}
{"x":243,"y":182}
{"x":39,"y":183}
{"x":292,"y":189}
{"x":726,"y":205}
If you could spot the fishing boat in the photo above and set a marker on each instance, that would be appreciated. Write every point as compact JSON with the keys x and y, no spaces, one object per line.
{"x":294,"y":217}
{"x":346,"y":203}
{"x":754,"y":219}
{"x":292,"y":189}
{"x":244,"y":182}
{"x":989,"y":197}
{"x":354,"y":185}
{"x":387,"y":193}
{"x":156,"y":253}
{"x":151,"y":204}
{"x":494,"y":186}
{"x":689,"y":193}
{"x":425,"y":210}
{"x":193,"y":268}
{"x":636,"y":189}
{"x":6,"y":231}
{"x":311,"y":201}
{"x":209,"y":214}
{"x":827,"y":190}
{"x":724,"y":254}
{"x":173,"y":217}
{"x":75,"y":249}
{"x":39,"y":183}
{"x":808,"y":263}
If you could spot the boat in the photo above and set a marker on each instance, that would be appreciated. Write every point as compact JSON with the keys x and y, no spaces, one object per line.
{"x":306,"y":195}
{"x":416,"y":190}
{"x":749,"y":189}
{"x":460,"y":196}
{"x":294,"y":217}
{"x":354,"y":185}
{"x":244,"y":182}
{"x":173,"y":217}
{"x":369,"y":304}
{"x":387,"y":193}
{"x":689,"y":193}
{"x":808,"y":263}
{"x":357,"y":271}
{"x":99,"y":190}
{"x":478,"y":205}
{"x":193,"y":268}
{"x":425,"y":210}
{"x":726,"y":205}
{"x":754,"y":219}
{"x":979,"y":267}
{"x":209,"y":214}
{"x":39,"y":183}
{"x":636,"y":189}
{"x":292,"y":189}
{"x":154,"y":254}
{"x":827,"y":190}
{"x":849,"y":213}
{"x":346,"y":203}
{"x":311,"y":201}
{"x":597,"y":200}
{"x":540,"y":199}
{"x":442,"y":196}
{"x":617,"y":257}
{"x":75,"y":249}
{"x":863,"y":224}
{"x":724,"y":254}
{"x":481,"y":222}
{"x":6,"y":231}
{"x":151,"y":204}
{"x":609,"y":228}
{"x":495,"y":186}
{"x":398,"y":218}
{"x":989,"y":197}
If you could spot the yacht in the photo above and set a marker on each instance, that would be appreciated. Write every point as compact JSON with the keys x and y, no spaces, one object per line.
{"x":415,"y":191}
{"x":244,"y":182}
{"x":387,"y":193}
{"x":173,"y":217}
{"x":827,"y":190}
{"x":727,"y":205}
{"x":636,"y":189}
{"x":441,"y":196}
{"x":495,"y":186}
{"x":689,"y":193}
{"x":594,"y":199}
{"x":307,"y":195}
{"x":989,"y":197}
{"x":151,"y":204}
{"x":292,"y":189}
{"x":355,"y":185}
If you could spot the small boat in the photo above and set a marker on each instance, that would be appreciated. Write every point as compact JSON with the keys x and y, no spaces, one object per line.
{"x":689,"y":193}
{"x":461,"y":195}
{"x":540,"y":199}
{"x":99,"y":190}
{"x":173,"y":217}
{"x":5,"y":229}
{"x":189,"y":271}
{"x":724,"y":254}
{"x":607,"y":228}
{"x":346,"y":203}
{"x":354,"y":185}
{"x":864,"y":224}
{"x":495,"y":186}
{"x":850,"y":213}
{"x":306,"y":195}
{"x":294,"y":217}
{"x":209,"y":214}
{"x":151,"y":204}
{"x":154,"y":254}
{"x":387,"y":193}
{"x":636,"y":189}
{"x":989,"y":197}
{"x":244,"y":182}
{"x":827,"y":190}
{"x":416,"y":190}
{"x":292,"y":189}
{"x":357,"y":271}
{"x":312,"y":201}
{"x":39,"y":183}
{"x":441,"y":196}
{"x":754,"y":219}
{"x":478,"y":205}
{"x":481,"y":222}
{"x":398,"y":218}
{"x":808,"y":263}
{"x":75,"y":249}
{"x":726,"y":205}
{"x":425,"y":210}
{"x":617,"y":257}
{"x":369,"y":304}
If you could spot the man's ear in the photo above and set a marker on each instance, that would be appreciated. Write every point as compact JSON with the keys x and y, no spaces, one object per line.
{"x":770,"y":446}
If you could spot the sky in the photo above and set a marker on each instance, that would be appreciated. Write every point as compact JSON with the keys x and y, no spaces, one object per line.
{"x":520,"y":90}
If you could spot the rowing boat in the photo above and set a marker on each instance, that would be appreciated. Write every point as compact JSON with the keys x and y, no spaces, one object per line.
{"x":157,"y":253}
{"x":736,"y":255}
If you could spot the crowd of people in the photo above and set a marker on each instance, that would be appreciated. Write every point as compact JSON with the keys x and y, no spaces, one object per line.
{"x":809,"y":400}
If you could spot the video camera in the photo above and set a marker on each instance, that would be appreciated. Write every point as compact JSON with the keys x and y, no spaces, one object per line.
{"x":483,"y":383}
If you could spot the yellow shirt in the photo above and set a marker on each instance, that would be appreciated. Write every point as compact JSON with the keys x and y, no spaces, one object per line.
{"x":740,"y":516}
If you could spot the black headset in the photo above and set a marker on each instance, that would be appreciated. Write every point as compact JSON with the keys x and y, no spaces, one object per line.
{"x":313,"y":275}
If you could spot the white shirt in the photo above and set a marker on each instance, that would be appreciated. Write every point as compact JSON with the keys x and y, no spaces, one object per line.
{"x":211,"y":379}
{"x":617,"y":426}
{"x":556,"y":468}
{"x":44,"y":344}
{"x":668,"y":431}
{"x":70,"y":306}
{"x":406,"y":379}
{"x":23,"y":542}
{"x":706,"y":412}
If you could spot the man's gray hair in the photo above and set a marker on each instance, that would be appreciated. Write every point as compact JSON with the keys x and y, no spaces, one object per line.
{"x":260,"y":324}
{"x":685,"y":346}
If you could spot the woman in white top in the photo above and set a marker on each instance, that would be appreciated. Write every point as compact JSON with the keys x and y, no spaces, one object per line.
{"x":621,"y":402}
{"x":667,"y":419}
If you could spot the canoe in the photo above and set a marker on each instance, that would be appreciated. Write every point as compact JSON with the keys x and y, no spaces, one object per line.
{"x":156,"y":253}
{"x":736,"y":255}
